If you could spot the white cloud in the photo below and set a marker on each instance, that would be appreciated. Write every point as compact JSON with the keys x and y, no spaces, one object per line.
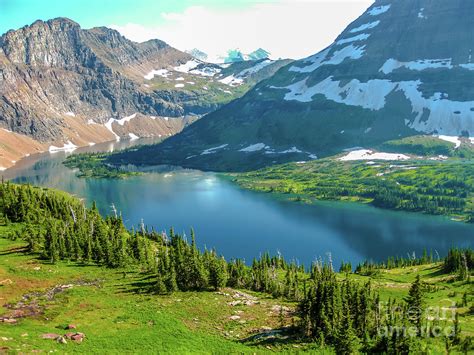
{"x":287,"y":29}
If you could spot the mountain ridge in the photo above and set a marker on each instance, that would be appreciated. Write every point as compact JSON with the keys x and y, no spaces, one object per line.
{"x":394,"y":72}
{"x":64,"y":87}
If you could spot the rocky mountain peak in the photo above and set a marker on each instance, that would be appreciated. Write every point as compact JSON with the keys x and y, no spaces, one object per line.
{"x":403,"y":68}
{"x":52,"y":43}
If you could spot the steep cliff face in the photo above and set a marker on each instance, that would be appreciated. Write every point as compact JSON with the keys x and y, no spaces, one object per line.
{"x":62,"y":85}
{"x":54,"y":70}
{"x":403,"y":68}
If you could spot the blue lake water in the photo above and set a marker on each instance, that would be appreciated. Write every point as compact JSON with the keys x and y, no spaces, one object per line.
{"x":243,"y":224}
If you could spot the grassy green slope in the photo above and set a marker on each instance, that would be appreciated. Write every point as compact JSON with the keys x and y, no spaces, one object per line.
{"x":109,"y":308}
{"x":435,"y":187}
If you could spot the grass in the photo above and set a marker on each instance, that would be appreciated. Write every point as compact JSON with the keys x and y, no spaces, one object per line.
{"x":433,"y":187}
{"x":429,"y":146}
{"x":117,"y":316}
{"x":93,"y":165}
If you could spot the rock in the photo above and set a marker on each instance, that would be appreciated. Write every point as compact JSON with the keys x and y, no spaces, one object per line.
{"x":277,"y":309}
{"x":234,"y":303}
{"x":9,"y":320}
{"x":234,"y":317}
{"x":78,"y":337}
{"x":61,"y":340}
{"x":250,"y":303}
{"x":71,"y":326}
{"x":50,"y":336}
{"x":69,"y":335}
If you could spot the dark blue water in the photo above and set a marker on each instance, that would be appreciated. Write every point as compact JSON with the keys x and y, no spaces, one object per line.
{"x":243,"y":224}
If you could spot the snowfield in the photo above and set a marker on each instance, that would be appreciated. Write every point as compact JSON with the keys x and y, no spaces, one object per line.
{"x":366,"y":26}
{"x":121,"y":122}
{"x":418,"y":65}
{"x":68,"y":147}
{"x":451,"y":139}
{"x":254,"y":148}
{"x":361,"y":37}
{"x":370,"y":95}
{"x":432,"y":114}
{"x":212,"y":150}
{"x":379,"y":10}
{"x":133,"y":136}
{"x":366,"y":154}
{"x":320,"y":59}
{"x":188,"y":66}
{"x":161,"y":72}
{"x":231,"y":80}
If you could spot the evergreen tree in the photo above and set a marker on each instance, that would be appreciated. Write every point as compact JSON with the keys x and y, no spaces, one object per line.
{"x":415,"y":302}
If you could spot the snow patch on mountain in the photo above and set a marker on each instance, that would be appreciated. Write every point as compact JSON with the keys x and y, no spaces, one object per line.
{"x":187,"y":67}
{"x":445,"y":117}
{"x":370,"y":95}
{"x":68,"y":147}
{"x":291,"y":150}
{"x":133,"y":137}
{"x":421,"y":15}
{"x":161,"y":72}
{"x":469,"y":66}
{"x":366,"y":26}
{"x":213,"y":150}
{"x":126,"y":119}
{"x":255,"y":69}
{"x":379,"y":10}
{"x":360,"y":37}
{"x":318,"y":60}
{"x":451,"y":139}
{"x":422,"y":64}
{"x":254,"y":148}
{"x":366,"y":154}
{"x":205,"y":70}
{"x":231,"y":80}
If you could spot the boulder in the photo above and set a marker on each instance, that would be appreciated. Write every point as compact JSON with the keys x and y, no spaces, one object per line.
{"x":61,"y":340}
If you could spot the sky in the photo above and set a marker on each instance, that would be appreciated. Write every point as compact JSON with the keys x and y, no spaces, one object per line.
{"x":286,"y":28}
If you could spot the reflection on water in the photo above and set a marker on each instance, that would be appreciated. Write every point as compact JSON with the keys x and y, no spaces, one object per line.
{"x":243,"y":224}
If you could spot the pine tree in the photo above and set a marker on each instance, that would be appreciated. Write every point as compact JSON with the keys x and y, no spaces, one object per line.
{"x":217,"y":272}
{"x":415,"y":303}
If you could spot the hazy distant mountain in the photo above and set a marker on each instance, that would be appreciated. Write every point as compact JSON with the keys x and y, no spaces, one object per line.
{"x":403,"y":68}
{"x":196,"y":53}
{"x":236,"y":55}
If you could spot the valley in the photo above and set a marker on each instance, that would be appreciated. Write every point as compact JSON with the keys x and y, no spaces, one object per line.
{"x":54,"y":282}
{"x":315,"y":196}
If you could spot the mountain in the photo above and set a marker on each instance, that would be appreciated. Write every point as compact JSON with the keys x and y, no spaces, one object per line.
{"x":62,"y":87}
{"x":198,"y":54}
{"x":259,"y":54}
{"x":236,"y":55}
{"x":403,"y":68}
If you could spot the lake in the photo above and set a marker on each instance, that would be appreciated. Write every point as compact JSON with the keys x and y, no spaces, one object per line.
{"x":243,"y":224}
